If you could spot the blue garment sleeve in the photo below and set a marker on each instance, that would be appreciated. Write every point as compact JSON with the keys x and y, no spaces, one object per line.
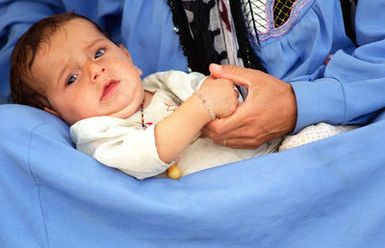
{"x":352,"y":86}
{"x":149,"y":35}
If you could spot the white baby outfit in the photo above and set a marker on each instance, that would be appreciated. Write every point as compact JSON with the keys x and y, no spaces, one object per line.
{"x":125,"y":145}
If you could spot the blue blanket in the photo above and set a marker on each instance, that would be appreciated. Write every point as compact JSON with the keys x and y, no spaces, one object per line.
{"x":325,"y":194}
{"x":312,"y":196}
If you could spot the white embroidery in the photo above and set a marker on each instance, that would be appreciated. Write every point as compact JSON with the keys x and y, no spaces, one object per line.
{"x":313,"y":133}
{"x":255,"y":13}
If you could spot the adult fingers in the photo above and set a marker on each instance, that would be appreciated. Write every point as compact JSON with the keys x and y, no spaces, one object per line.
{"x":239,"y":75}
{"x":243,"y":143}
{"x":222,"y":127}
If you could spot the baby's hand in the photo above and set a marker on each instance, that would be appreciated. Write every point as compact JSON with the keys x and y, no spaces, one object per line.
{"x":220,"y":96}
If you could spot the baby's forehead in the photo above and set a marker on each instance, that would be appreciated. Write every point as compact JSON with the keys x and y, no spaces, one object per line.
{"x":54,"y":36}
{"x":69,"y":29}
{"x":83,"y":25}
{"x":76,"y":32}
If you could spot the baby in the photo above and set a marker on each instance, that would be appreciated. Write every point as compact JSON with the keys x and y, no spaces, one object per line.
{"x":66,"y":65}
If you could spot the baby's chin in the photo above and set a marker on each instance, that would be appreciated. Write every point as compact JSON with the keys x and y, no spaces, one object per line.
{"x":123,"y":113}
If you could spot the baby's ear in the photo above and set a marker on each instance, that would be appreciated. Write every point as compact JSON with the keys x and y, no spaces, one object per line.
{"x":139,"y":70}
{"x":124,"y":49}
{"x":51,"y":111}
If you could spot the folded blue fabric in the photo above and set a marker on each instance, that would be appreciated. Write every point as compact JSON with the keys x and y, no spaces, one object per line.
{"x":326,"y":194}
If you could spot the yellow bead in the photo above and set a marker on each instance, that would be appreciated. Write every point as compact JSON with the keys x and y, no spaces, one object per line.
{"x":174,"y":172}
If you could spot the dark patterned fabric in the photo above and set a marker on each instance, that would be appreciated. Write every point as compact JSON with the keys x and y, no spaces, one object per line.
{"x":212,"y":31}
{"x":192,"y":20}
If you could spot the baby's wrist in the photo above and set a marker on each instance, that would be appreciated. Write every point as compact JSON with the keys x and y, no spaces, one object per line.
{"x":205,"y":104}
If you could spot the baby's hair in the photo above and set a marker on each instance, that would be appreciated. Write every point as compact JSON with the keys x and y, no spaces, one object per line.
{"x":24,"y":89}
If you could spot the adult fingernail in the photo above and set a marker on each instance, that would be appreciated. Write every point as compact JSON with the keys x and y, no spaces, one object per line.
{"x":215,"y":67}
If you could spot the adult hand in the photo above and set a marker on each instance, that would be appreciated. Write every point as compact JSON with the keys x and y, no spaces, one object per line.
{"x":269,"y":110}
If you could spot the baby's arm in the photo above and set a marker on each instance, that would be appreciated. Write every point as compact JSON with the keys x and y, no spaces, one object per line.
{"x":117,"y":143}
{"x":176,"y":132}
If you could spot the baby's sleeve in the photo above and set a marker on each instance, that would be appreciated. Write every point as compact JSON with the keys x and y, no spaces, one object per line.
{"x":181,"y":84}
{"x":115,"y":144}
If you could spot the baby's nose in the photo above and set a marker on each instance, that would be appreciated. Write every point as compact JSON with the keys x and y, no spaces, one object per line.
{"x":97,"y":71}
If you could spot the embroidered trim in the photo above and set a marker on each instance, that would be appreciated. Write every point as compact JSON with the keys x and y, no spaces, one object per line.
{"x":282,"y":11}
{"x":297,"y":9}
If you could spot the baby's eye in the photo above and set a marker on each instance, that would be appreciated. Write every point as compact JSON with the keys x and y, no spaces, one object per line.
{"x":100,"y":52}
{"x":71,"y":79}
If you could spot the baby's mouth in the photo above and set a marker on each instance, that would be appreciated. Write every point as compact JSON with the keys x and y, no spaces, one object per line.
{"x":109,"y":89}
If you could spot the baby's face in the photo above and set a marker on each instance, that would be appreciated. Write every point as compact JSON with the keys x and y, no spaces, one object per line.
{"x":84,"y":74}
